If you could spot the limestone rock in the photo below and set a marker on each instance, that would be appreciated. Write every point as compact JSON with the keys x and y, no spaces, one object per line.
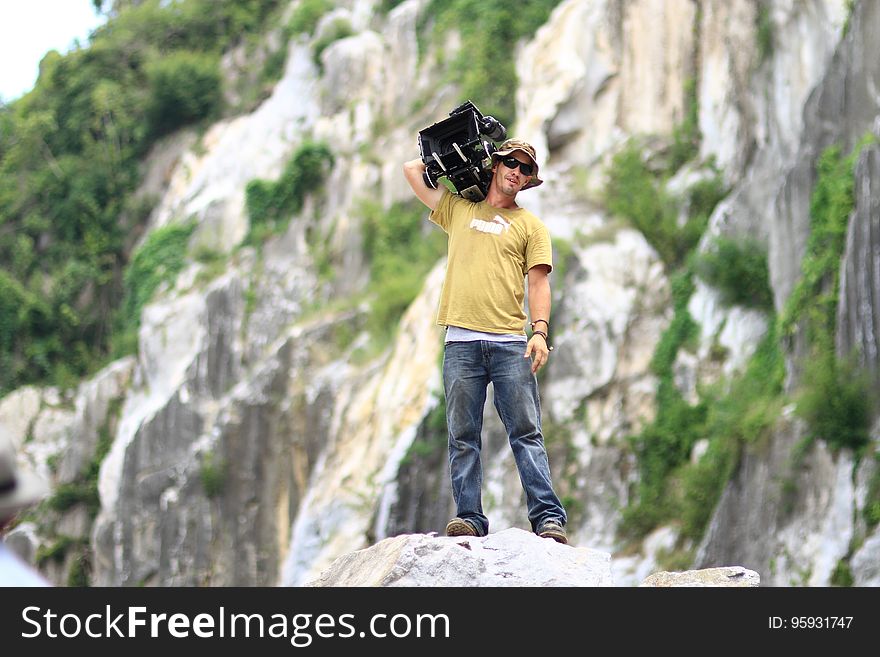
{"x":858,"y":323}
{"x":865,"y":563}
{"x":727,"y":576}
{"x":754,"y":522}
{"x":18,"y":411}
{"x":511,"y":557}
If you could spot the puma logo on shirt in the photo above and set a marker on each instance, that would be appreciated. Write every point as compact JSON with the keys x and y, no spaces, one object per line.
{"x":495,"y":226}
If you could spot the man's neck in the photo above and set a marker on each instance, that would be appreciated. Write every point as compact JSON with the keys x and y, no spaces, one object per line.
{"x":498,"y":200}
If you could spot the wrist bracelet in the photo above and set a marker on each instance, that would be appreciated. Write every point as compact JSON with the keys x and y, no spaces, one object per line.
{"x":540,"y":320}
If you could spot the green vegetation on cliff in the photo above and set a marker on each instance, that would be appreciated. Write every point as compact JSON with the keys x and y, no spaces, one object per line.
{"x":271,"y":204}
{"x":726,"y":417}
{"x":402,"y":247}
{"x":638,"y":193}
{"x":737,"y":414}
{"x":491,"y":38}
{"x":834,"y":396}
{"x":70,"y":154}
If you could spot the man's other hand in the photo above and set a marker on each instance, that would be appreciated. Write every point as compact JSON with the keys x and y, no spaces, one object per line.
{"x":538,"y":350}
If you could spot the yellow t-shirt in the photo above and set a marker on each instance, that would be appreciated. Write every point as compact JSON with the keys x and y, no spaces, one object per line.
{"x":490,"y":253}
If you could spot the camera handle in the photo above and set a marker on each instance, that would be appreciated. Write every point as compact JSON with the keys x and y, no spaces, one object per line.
{"x":439,"y":161}
{"x":429,"y":180}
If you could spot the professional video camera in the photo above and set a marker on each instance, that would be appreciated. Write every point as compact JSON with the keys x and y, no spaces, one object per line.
{"x":453,"y":148}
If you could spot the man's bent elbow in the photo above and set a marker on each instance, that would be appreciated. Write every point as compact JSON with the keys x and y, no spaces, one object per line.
{"x":413,"y":167}
{"x":413,"y":172}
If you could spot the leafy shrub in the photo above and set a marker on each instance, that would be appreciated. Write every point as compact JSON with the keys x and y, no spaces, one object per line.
{"x":834,"y":401}
{"x":161,"y":257}
{"x":26,"y":351}
{"x":271,"y":204}
{"x":681,"y":330}
{"x":188,"y":24}
{"x":842,"y":575}
{"x":637,"y":194}
{"x":185,"y":88}
{"x":730,"y":415}
{"x":703,"y":484}
{"x":339,"y":29}
{"x":55,"y":552}
{"x":663,"y":448}
{"x":702,"y":197}
{"x":633,"y":193}
{"x":738,"y":269}
{"x":305,"y":17}
{"x":273,"y":69}
{"x":213,"y":475}
{"x":68,"y":495}
{"x":402,"y":247}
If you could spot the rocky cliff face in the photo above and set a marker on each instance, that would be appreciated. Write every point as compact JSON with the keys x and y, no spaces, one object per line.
{"x":249,"y":444}
{"x":828,"y":515}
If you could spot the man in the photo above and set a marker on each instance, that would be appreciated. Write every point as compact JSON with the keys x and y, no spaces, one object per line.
{"x":493,"y":246}
{"x":18,"y":490}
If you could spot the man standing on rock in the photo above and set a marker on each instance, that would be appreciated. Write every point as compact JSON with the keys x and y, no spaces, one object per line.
{"x":493,"y":246}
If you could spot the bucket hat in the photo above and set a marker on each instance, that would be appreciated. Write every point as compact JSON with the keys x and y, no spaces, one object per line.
{"x":512,"y":145}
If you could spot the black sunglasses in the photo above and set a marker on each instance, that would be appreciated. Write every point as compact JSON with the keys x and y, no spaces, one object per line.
{"x":512,"y":163}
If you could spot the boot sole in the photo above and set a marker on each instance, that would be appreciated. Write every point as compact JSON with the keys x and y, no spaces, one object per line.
{"x":556,"y":536}
{"x":460,"y":528}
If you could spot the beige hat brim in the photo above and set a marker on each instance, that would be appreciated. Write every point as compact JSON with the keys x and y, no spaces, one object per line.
{"x":535,"y":180}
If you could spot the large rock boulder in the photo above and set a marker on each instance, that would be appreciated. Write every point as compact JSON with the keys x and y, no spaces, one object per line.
{"x":726,"y":576}
{"x":512,"y":557}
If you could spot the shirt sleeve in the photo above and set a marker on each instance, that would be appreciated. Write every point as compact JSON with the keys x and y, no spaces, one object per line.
{"x":442,"y":214}
{"x":539,"y":250}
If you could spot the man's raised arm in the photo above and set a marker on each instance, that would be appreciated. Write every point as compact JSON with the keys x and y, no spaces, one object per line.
{"x":413,"y":171}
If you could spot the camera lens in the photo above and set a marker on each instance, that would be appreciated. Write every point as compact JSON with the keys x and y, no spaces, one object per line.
{"x":493,"y":129}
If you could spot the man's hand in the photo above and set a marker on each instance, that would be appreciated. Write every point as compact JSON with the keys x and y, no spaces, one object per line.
{"x":537,"y":347}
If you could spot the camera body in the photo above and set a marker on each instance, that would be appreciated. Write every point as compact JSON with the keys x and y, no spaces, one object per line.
{"x":455,"y":148}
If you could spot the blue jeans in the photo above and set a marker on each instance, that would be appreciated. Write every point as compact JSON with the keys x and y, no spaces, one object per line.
{"x":468,"y":367}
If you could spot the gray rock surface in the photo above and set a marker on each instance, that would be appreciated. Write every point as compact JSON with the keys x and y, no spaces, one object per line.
{"x":726,"y":576}
{"x":794,"y":526}
{"x":858,"y":314}
{"x":866,"y":563}
{"x":511,"y":557}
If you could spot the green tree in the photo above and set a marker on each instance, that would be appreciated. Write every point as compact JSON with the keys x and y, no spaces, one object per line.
{"x":70,"y":153}
{"x":185,"y":88}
